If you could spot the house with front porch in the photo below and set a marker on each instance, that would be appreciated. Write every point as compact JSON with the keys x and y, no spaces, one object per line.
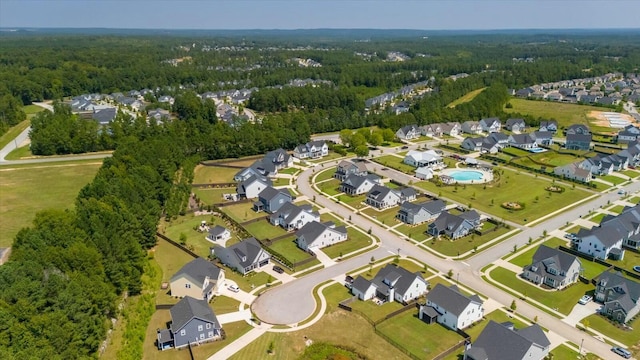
{"x":629,"y":134}
{"x":293,"y":217}
{"x":432,"y":130}
{"x":578,"y":129}
{"x":391,"y":283}
{"x":548,"y":126}
{"x":428,"y":158}
{"x":346,"y":168}
{"x":619,"y":295}
{"x":382,"y":197}
{"x":244,"y":256}
{"x":408,"y":132}
{"x":522,"y":141}
{"x":505,"y":342}
{"x":449,"y":307}
{"x":454,"y":226}
{"x":471,"y":127}
{"x":312,"y":150}
{"x":552,"y":267}
{"x":252,"y":187}
{"x":271,"y":199}
{"x":544,"y":138}
{"x":198,"y":278}
{"x":357,"y":185}
{"x":414,"y":214}
{"x":472,"y":143}
{"x":573,"y":171}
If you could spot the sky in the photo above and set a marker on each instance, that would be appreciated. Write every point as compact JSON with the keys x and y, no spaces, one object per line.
{"x":311,"y":14}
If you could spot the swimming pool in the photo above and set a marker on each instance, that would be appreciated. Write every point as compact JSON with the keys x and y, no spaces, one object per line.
{"x":537,"y":150}
{"x":466,"y":175}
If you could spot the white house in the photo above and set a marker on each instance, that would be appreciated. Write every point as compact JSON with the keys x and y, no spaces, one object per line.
{"x":449,"y":307}
{"x":311,"y":150}
{"x":316,"y":235}
{"x":391,"y":283}
{"x":218,"y":233}
{"x":428,"y":158}
{"x":408,"y":132}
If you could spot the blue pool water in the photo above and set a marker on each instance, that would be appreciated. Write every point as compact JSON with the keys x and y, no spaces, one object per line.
{"x":537,"y":150}
{"x":466,"y":175}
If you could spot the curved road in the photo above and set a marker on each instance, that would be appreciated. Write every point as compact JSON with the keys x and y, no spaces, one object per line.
{"x":275,"y":305}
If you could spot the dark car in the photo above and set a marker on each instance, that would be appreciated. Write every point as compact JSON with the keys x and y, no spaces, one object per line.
{"x":278,"y":269}
{"x":405,"y":147}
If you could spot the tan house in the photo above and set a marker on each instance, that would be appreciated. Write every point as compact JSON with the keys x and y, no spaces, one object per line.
{"x":199,"y":279}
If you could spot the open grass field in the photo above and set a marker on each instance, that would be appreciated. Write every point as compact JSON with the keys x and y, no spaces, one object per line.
{"x":28,"y":189}
{"x":551,"y":159}
{"x":462,"y":245}
{"x":213,"y":174}
{"x":356,"y":241}
{"x":510,"y":189}
{"x":396,"y":163}
{"x":466,"y":97}
{"x":565,"y":114}
{"x":242,"y":212}
{"x":602,"y":324}
{"x":564,"y":300}
{"x":264,"y":230}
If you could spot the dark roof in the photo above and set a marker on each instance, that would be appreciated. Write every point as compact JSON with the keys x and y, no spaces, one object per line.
{"x":560,"y":258}
{"x":270,"y":192}
{"x":499,"y":342}
{"x":189,"y":308}
{"x":450,"y":298}
{"x":311,"y":231}
{"x":105,"y":116}
{"x":217,"y":230}
{"x":579,"y":138}
{"x":246,"y":250}
{"x":197,"y":270}
{"x":515,"y":121}
{"x":397,"y":277}
{"x":361,"y":284}
{"x":614,"y":279}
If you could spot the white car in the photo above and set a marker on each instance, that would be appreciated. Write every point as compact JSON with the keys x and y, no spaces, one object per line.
{"x":584,"y":299}
{"x":233,"y":288}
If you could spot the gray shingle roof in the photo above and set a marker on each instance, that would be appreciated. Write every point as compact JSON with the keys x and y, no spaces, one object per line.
{"x":499,"y":342}
{"x":249,"y":249}
{"x":270,"y":192}
{"x":312,"y":230}
{"x":560,"y":259}
{"x":400,"y":278}
{"x":197,"y":270}
{"x":217,"y":231}
{"x":189,"y":308}
{"x":449,"y":298}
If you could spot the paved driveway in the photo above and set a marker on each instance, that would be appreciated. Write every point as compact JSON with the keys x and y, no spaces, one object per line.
{"x":580,"y":312}
{"x":284,"y":277}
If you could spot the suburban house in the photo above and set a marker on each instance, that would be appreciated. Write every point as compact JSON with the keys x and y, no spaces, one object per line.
{"x":550,"y":126}
{"x":553,"y":268}
{"x":293,"y":217}
{"x":604,"y":164}
{"x":542,"y":137}
{"x":578,"y":142}
{"x":198,"y":278}
{"x":454,"y":226}
{"x":505,"y":342}
{"x":614,"y":232}
{"x":192,"y":322}
{"x":246,"y":173}
{"x":449,"y":307}
{"x":515,"y":125}
{"x":578,"y":129}
{"x":272,"y":162}
{"x":482,"y":144}
{"x":312,"y":150}
{"x":573,"y":171}
{"x":391,"y":283}
{"x":414,"y":214}
{"x":104,"y":116}
{"x":424,"y":173}
{"x":408,"y":132}
{"x":428,"y":158}
{"x":271,"y":199}
{"x":382,"y":197}
{"x":346,"y":168}
{"x":357,"y":185}
{"x":490,"y":125}
{"x":471,"y":127}
{"x":502,"y":140}
{"x":631,"y":153}
{"x":451,"y":128}
{"x":159,"y":115}
{"x":629,"y":134}
{"x":431,"y":130}
{"x":618,"y":295}
{"x":244,"y":257}
{"x":252,"y":187}
{"x":218,"y":233}
{"x":316,"y":235}
{"x":522,"y":141}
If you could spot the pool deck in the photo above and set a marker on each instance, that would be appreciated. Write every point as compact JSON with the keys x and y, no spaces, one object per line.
{"x":486,"y":175}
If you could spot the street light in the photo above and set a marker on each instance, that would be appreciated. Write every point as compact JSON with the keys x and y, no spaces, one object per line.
{"x":581,"y":342}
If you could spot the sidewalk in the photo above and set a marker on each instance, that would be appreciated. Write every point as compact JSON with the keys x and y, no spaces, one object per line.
{"x":324,"y":258}
{"x":244,"y":340}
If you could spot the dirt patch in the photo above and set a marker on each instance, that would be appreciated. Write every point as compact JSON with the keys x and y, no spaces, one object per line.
{"x":597,"y":118}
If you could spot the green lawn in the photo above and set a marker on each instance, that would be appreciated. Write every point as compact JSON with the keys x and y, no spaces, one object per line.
{"x":356,"y":240}
{"x":612,"y":179}
{"x":289,"y":171}
{"x":630,"y":173}
{"x":20,"y":153}
{"x":395,"y":162}
{"x":634,"y":200}
{"x":409,"y":331}
{"x":326,"y":174}
{"x":356,"y":202}
{"x":466,"y":97}
{"x":516,"y":151}
{"x":630,"y":260}
{"x":242,"y":212}
{"x":25,"y":190}
{"x":564,"y":300}
{"x":374,"y":311}
{"x":290,"y":250}
{"x":281,"y":182}
{"x":508,"y":189}
{"x":526,"y":257}
{"x":249,"y":281}
{"x":550,"y":159}
{"x":498,"y":316}
{"x":565,"y":114}
{"x":212,"y":195}
{"x":604,"y":326}
{"x":264,"y":230}
{"x":417,"y":232}
{"x":13,"y":132}
{"x":616,"y":209}
{"x":332,"y":155}
{"x":385,"y":217}
{"x":462,"y":245}
{"x":597,"y":218}
{"x":195,"y":239}
{"x":170,"y":259}
{"x":591,"y":268}
{"x":330,"y":187}
{"x":213,"y":174}
{"x":224,"y":305}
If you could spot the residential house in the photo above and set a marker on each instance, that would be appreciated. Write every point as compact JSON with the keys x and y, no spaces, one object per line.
{"x":357,"y":185}
{"x":631,"y":153}
{"x":408,"y":132}
{"x":252,"y":187}
{"x":293,"y":217}
{"x":312,"y":150}
{"x":578,"y":142}
{"x":515,"y":125}
{"x":629,"y":134}
{"x":218,"y":233}
{"x":471,"y":127}
{"x":449,"y":307}
{"x":498,"y":138}
{"x":553,"y":268}
{"x":246,"y":173}
{"x":391,"y":283}
{"x":619,"y":296}
{"x":428,"y":158}
{"x":522,"y":141}
{"x":472,"y":143}
{"x":604,"y":164}
{"x":451,"y":128}
{"x":431,"y":130}
{"x":414,"y":214}
{"x":505,"y":342}
{"x":198,"y":278}
{"x":244,"y":256}
{"x":550,"y":126}
{"x":579,"y":129}
{"x":346,"y":168}
{"x":272,"y":162}
{"x":490,"y":125}
{"x":483,"y":144}
{"x":192,"y":322}
{"x":382,"y":197}
{"x":544,"y":138}
{"x":166,"y":99}
{"x":573,"y":171}
{"x":317,"y":235}
{"x":104,"y":116}
{"x":159,"y":115}
{"x":454,"y":226}
{"x":271,"y":199}
{"x":424,"y":173}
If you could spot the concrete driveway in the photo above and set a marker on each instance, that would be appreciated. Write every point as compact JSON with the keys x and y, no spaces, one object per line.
{"x":284,"y":277}
{"x":242,"y":296}
{"x":580,"y":312}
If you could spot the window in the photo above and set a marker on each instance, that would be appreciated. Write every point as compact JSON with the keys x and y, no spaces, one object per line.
{"x":183,"y":332}
{"x":201,"y":336}
{"x":200,"y":328}
{"x":208,"y":326}
{"x":188,"y":286}
{"x":210,"y":334}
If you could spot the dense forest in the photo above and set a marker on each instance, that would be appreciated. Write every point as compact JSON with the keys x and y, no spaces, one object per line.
{"x":69,"y":269}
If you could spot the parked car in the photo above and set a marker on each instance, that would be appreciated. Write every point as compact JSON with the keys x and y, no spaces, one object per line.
{"x":348,"y":281}
{"x":621,"y":351}
{"x":585,"y":299}
{"x":233,"y":288}
{"x":621,"y":192}
{"x":636,"y":268}
{"x":405,"y":147}
{"x":278,"y":269}
{"x":570,"y":236}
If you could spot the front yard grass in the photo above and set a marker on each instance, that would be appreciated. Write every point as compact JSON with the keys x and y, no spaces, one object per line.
{"x":396,"y":163}
{"x":249,"y":281}
{"x":264,"y":230}
{"x":612,"y":179}
{"x":330,"y":187}
{"x":224,"y":305}
{"x":289,"y":171}
{"x":538,"y":202}
{"x":462,"y":245}
{"x":630,"y":173}
{"x":409,"y":331}
{"x":290,"y":250}
{"x":597,"y":218}
{"x":356,"y":241}
{"x":281,"y":182}
{"x":417,"y":232}
{"x":603,"y":325}
{"x":385,"y":217}
{"x":356,"y":202}
{"x":242,"y":212}
{"x":526,"y":257}
{"x":564,"y":300}
{"x":616,"y":209}
{"x":326,"y":174}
